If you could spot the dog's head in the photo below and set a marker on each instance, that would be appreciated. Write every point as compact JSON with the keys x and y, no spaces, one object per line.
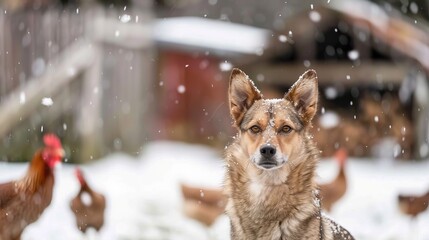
{"x":272,"y":131}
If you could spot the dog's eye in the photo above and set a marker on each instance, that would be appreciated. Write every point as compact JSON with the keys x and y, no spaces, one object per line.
{"x":255,"y":129}
{"x":286,"y":129}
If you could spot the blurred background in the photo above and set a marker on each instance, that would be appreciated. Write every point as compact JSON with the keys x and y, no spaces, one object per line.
{"x":128,"y":83}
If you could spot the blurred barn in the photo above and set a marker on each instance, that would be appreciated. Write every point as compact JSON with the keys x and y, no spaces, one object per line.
{"x":370,"y":61}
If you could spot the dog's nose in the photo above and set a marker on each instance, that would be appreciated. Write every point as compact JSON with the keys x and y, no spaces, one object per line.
{"x":267,"y":151}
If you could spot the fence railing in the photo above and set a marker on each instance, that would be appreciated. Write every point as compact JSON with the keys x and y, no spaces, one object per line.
{"x":104,"y":54}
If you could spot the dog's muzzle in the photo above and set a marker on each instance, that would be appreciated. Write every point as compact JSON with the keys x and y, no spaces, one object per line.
{"x":267,"y":160}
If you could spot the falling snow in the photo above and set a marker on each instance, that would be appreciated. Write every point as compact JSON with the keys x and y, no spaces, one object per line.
{"x":376,"y":119}
{"x":353,"y":55}
{"x":47,"y":101}
{"x":125,"y":18}
{"x":307,"y":63}
{"x":181,"y":89}
{"x":329,"y":120}
{"x":315,"y":16}
{"x":22,"y":98}
{"x":260,"y":77}
{"x":331,"y":93}
{"x":282,"y":38}
{"x":225,"y":66}
{"x":414,"y":8}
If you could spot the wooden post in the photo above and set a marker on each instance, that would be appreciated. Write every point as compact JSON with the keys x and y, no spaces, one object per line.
{"x":89,"y":120}
{"x":421,"y":115}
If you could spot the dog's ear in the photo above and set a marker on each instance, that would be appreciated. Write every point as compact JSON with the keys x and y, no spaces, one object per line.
{"x":242,"y":94}
{"x":304,"y":95}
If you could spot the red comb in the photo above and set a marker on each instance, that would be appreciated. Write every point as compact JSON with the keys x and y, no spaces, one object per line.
{"x":342,"y":155}
{"x":79,"y":175}
{"x":50,"y":140}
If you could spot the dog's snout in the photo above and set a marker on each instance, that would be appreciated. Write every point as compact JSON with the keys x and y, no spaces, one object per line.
{"x":268,"y":151}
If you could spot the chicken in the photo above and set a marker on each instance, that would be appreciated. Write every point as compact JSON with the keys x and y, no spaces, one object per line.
{"x":333,"y":191}
{"x":23,"y":201}
{"x":413,"y":205}
{"x":88,"y":206}
{"x":203,"y":204}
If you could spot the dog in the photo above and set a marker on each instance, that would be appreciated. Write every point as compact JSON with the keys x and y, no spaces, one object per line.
{"x":270,"y":178}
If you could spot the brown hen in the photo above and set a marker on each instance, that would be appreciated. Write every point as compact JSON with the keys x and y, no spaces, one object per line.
{"x":203,"y":204}
{"x":88,"y":206}
{"x":335,"y":190}
{"x":23,"y":201}
{"x":413,"y":205}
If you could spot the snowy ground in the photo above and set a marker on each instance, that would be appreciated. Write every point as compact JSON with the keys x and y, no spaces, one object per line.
{"x":144,"y":201}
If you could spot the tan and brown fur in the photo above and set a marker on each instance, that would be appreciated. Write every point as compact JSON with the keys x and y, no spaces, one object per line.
{"x":270,"y":180}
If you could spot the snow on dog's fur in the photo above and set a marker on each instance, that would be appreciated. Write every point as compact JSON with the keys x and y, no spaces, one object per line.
{"x":270,"y":180}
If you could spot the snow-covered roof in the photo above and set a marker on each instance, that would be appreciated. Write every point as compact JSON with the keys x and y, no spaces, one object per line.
{"x":396,"y":31}
{"x":211,"y":34}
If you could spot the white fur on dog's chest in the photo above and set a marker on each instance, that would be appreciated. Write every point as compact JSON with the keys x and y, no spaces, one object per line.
{"x":256,"y":188}
{"x":260,"y":187}
{"x":259,"y":191}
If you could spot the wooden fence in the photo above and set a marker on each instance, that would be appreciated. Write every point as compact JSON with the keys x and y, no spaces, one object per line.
{"x":85,"y":74}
